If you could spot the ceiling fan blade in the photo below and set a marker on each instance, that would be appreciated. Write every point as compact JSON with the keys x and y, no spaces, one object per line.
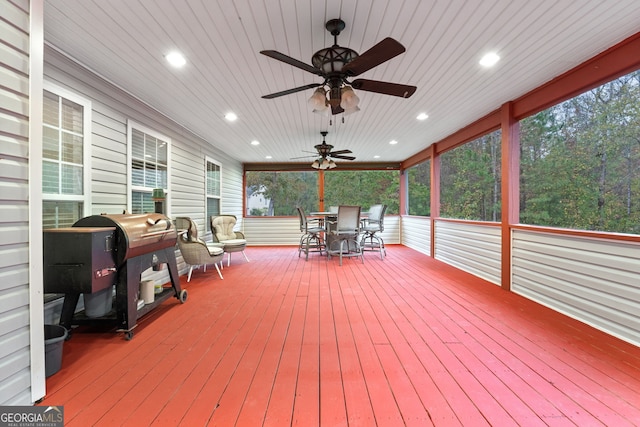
{"x":382,"y":52}
{"x":340,"y":152}
{"x":395,"y":89}
{"x":336,"y":110}
{"x":303,"y":157}
{"x":290,"y":91}
{"x":291,"y":61}
{"x":341,"y":157}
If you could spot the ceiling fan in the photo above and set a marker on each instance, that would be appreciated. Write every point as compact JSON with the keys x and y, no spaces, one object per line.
{"x":326,"y":155}
{"x":336,"y":65}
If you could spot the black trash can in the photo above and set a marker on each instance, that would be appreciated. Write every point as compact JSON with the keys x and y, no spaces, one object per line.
{"x":54,"y":336}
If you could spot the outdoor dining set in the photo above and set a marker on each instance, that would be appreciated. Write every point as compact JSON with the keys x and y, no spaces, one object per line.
{"x":342,"y":231}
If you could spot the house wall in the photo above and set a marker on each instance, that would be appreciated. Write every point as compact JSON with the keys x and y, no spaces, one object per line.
{"x":17,"y":367}
{"x":112,"y":109}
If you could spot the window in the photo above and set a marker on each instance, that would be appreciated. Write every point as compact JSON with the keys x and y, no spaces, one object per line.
{"x":278,"y":193}
{"x":419,"y":187}
{"x":65,"y":154}
{"x":362,"y":188}
{"x":149,"y":154}
{"x":470,"y":177}
{"x":213,"y":189}
{"x":580,"y":161}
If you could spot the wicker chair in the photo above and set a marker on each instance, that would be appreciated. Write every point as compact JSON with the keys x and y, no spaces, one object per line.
{"x":222,"y":230}
{"x":196,"y":252}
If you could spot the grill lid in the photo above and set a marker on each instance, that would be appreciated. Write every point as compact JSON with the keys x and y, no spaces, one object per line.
{"x":136,"y":234}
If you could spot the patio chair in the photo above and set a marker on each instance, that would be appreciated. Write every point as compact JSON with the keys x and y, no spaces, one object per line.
{"x":344,"y":235}
{"x":311,"y":239}
{"x":195,"y":251}
{"x":371,"y":226}
{"x":233,"y":241}
{"x":184,"y":223}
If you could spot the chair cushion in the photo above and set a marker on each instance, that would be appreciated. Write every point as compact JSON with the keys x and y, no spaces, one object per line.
{"x":223,"y":227}
{"x":197,"y":252}
{"x":214,"y":250}
{"x":234,"y":242}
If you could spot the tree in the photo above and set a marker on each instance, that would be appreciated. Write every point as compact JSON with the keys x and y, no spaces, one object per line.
{"x":363,"y":188}
{"x":419,"y":188}
{"x":284,"y":190}
{"x":470,"y":177}
{"x":580,"y":160}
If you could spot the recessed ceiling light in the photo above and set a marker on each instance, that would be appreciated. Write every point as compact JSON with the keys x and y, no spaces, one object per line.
{"x":376,"y":157}
{"x":231,"y":116}
{"x":268,"y":157}
{"x":490,"y":59}
{"x":394,"y":142}
{"x":255,"y":142}
{"x":176,"y":59}
{"x":422,"y":116}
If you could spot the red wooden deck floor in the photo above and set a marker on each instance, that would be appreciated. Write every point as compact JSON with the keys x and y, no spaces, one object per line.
{"x":404,"y":341}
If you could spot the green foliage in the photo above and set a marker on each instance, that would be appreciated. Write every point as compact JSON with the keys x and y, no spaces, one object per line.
{"x":419,"y":178}
{"x":470,"y":178}
{"x":580,"y":161}
{"x":363,"y":188}
{"x":284,"y":191}
{"x":258,"y":212}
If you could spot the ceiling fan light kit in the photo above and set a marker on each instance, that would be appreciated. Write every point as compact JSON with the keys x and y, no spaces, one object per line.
{"x":318,"y":101}
{"x":336,"y":64}
{"x":326,"y":154}
{"x":323,"y":164}
{"x":349,"y":100}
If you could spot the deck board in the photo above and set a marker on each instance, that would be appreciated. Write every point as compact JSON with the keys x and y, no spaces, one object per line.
{"x":404,"y":341}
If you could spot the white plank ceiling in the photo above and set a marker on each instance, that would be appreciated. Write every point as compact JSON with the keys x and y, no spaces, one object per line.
{"x":125,"y":41}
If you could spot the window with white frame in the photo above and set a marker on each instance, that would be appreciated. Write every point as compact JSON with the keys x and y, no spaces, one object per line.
{"x":213,"y":187}
{"x":65,"y":157}
{"x":149,"y":160}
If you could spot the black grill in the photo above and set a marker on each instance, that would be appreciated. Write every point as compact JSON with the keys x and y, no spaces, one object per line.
{"x":100,"y":251}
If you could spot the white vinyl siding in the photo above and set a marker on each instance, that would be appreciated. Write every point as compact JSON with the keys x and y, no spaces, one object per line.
{"x":271,"y":231}
{"x":474,"y":248}
{"x":594,"y":280}
{"x":277,"y":231}
{"x":416,"y":233}
{"x":21,"y":331}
